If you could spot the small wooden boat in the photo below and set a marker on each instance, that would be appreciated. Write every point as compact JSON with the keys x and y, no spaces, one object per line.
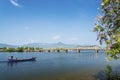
{"x":21,"y":60}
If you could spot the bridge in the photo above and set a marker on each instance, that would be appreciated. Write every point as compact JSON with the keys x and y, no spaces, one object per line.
{"x":77,"y":49}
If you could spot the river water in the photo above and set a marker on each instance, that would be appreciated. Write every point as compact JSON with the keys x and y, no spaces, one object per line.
{"x":86,"y":65}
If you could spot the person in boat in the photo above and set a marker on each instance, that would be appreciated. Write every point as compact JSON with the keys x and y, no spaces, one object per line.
{"x":11,"y":57}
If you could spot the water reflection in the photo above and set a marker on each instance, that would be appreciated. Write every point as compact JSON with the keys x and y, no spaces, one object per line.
{"x":108,"y":74}
{"x":16,"y":63}
{"x":11,"y":64}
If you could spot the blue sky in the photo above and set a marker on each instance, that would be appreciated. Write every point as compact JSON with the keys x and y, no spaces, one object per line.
{"x":48,"y":21}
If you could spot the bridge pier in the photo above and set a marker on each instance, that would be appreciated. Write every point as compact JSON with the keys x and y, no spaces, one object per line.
{"x":78,"y":50}
{"x":97,"y":50}
{"x":40,"y":50}
{"x":49,"y":50}
{"x":66,"y":51}
{"x":58,"y":50}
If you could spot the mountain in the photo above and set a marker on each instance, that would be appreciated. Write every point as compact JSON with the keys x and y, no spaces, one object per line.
{"x":45,"y":45}
{"x":7,"y":45}
{"x":49,"y":45}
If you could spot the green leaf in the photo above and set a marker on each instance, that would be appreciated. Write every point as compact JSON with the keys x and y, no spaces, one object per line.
{"x":106,"y":1}
{"x":111,"y":11}
{"x":118,"y":40}
{"x":108,"y":41}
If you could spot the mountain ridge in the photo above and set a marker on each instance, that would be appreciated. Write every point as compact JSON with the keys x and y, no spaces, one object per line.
{"x":44,"y":45}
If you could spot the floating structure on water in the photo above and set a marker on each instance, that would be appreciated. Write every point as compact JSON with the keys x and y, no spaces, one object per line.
{"x":21,"y":60}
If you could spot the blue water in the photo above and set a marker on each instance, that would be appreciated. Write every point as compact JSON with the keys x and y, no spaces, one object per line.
{"x":86,"y":65}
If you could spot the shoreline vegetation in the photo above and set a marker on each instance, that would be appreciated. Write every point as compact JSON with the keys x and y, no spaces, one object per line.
{"x":56,"y":49}
{"x":21,"y":49}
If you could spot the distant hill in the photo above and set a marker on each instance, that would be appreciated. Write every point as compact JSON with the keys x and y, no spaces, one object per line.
{"x":49,"y":45}
{"x":6,"y":45}
{"x":46,"y":45}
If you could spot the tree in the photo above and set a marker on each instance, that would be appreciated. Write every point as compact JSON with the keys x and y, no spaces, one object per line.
{"x":10,"y":50}
{"x":108,"y":27}
{"x":20,"y":49}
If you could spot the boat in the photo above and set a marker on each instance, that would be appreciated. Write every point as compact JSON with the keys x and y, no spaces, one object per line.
{"x":21,"y":60}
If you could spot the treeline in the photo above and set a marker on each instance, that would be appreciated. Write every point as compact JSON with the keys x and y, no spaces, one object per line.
{"x":21,"y":49}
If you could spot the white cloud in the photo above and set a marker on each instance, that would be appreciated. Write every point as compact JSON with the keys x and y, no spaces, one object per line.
{"x":57,"y":37}
{"x":15,"y":3}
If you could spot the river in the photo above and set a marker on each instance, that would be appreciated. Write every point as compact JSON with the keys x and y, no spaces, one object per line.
{"x":86,"y":65}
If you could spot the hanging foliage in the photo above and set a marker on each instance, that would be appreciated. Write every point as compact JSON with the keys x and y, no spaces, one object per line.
{"x":107,"y":27}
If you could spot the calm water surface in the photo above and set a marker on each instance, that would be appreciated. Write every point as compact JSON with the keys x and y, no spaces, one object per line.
{"x":86,"y":65}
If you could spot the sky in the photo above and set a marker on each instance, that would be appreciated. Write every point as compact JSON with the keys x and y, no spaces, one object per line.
{"x":48,"y":21}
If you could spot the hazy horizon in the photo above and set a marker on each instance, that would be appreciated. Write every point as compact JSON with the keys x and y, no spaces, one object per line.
{"x":50,"y":43}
